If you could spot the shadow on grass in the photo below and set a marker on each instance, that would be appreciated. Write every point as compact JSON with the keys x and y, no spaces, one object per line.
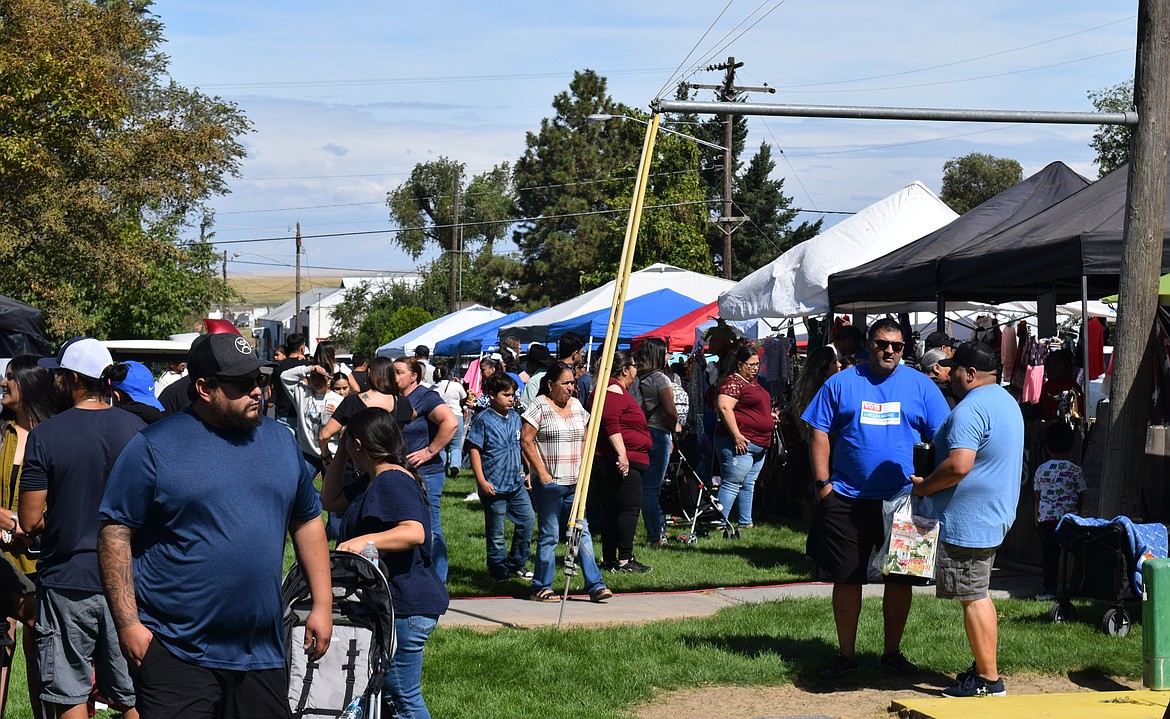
{"x":806,"y":657}
{"x":767,"y":557}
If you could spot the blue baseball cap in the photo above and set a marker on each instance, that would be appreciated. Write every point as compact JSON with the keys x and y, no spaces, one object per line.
{"x":139,"y":384}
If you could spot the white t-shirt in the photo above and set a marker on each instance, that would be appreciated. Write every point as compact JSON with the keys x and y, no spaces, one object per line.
{"x":453,"y":394}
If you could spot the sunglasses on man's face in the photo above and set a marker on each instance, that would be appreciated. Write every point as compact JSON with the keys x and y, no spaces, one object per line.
{"x":246,"y":384}
{"x":882,"y":345}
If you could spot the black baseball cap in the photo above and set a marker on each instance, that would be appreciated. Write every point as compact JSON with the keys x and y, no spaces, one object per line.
{"x":226,"y":355}
{"x":973,"y":354}
{"x":939,"y":339}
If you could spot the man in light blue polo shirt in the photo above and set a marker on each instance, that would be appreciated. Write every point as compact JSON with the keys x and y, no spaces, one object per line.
{"x":975,"y":490}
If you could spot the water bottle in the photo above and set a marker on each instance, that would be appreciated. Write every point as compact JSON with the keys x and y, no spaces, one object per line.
{"x":355,"y":710}
{"x":370,"y":552}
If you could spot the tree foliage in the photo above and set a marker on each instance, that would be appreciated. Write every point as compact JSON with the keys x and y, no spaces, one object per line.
{"x":1111,"y":142}
{"x":103,"y":161}
{"x":562,"y":179}
{"x":972,"y":179}
{"x":424,"y":207}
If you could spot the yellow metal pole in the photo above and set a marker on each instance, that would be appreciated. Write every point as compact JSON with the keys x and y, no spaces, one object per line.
{"x":577,"y":513}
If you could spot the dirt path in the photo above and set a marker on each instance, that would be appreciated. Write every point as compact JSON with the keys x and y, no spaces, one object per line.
{"x":870,"y":702}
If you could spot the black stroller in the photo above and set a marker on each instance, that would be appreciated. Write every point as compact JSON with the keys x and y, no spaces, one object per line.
{"x":1096,"y":562}
{"x":363,"y":640}
{"x":688,"y":502}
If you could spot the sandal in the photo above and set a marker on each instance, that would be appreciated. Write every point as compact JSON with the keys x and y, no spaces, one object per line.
{"x":545,"y":595}
{"x":600,"y":595}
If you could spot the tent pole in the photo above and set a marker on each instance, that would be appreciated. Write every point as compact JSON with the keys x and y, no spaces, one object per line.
{"x":940,"y":309}
{"x":1085,"y":337}
{"x":576,"y":522}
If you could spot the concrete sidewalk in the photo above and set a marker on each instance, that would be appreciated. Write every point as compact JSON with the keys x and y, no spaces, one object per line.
{"x":1010,"y":580}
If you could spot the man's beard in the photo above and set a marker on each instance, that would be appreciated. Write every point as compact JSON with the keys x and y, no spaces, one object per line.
{"x":221,"y":414}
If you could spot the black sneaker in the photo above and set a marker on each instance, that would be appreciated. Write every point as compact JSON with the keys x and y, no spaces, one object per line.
{"x":897,"y":663}
{"x":976,"y":686}
{"x":520,"y":573}
{"x":633,"y":567}
{"x":962,"y":676}
{"x":839,"y":667}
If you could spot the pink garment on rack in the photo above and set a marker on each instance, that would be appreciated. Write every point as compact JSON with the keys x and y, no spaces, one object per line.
{"x":473,"y":378}
{"x":1007,"y":349}
{"x":1033,"y":381}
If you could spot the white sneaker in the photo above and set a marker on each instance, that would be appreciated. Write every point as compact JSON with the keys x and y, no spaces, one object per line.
{"x":472,"y":498}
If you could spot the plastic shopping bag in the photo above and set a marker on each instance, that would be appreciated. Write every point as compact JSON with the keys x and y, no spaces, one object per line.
{"x":911,"y":543}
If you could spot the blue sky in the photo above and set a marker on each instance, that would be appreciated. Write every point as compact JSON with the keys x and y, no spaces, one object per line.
{"x":345,"y":98}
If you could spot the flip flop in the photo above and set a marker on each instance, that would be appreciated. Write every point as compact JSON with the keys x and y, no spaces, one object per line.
{"x":545,"y":595}
{"x":601,"y":595}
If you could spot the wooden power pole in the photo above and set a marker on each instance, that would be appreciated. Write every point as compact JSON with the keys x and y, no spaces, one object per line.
{"x":455,"y":262}
{"x":1141,"y":262}
{"x":729,"y":92}
{"x":297,"y":322}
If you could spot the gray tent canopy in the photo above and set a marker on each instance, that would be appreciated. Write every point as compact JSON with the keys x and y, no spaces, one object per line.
{"x":911,"y":273}
{"x":1050,"y":252}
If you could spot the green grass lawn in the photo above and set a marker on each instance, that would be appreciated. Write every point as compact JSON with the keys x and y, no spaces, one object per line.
{"x":605,"y":672}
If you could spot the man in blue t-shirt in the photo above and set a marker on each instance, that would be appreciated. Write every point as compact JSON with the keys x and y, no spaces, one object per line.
{"x":975,"y":490}
{"x":873,"y":413}
{"x":192,"y":544}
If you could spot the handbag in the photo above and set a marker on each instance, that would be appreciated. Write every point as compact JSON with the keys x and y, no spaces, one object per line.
{"x":777,"y":452}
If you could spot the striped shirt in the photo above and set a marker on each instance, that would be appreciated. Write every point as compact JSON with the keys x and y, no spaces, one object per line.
{"x":560,"y":441}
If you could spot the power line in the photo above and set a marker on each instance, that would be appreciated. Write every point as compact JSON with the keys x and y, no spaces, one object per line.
{"x":418,"y":80}
{"x":510,"y":221}
{"x":710,"y":27}
{"x":317,"y":267}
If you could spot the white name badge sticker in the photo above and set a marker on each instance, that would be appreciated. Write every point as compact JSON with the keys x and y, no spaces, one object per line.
{"x":881,"y":413}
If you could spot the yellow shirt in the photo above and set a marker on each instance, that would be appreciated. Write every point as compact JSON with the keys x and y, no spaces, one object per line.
{"x":10,"y":496}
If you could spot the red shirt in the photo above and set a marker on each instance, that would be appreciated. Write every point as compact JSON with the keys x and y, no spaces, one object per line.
{"x":753,"y":410}
{"x":623,"y":416}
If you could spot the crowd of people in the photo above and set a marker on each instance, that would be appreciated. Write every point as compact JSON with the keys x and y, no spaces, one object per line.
{"x":147,"y":521}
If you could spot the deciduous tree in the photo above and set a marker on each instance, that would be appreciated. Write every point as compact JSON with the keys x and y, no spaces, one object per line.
{"x":103,"y":161}
{"x":972,"y":179}
{"x":1112,"y":141}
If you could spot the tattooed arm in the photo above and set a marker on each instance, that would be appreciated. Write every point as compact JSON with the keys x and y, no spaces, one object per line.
{"x":114,"y":558}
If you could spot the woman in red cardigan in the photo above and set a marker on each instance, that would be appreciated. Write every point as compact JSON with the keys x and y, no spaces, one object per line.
{"x":623,"y":454}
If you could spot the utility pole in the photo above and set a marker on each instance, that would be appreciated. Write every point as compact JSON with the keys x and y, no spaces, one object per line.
{"x":298,"y":318}
{"x":455,"y":263}
{"x":223,"y":290}
{"x":1141,"y":260}
{"x":729,"y":92}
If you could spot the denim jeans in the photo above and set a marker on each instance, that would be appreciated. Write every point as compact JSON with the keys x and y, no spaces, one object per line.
{"x":553,"y":502}
{"x":738,"y":474}
{"x":453,"y":452}
{"x":652,"y":484}
{"x":403,"y":683}
{"x":517,"y":507}
{"x":434,"y":481}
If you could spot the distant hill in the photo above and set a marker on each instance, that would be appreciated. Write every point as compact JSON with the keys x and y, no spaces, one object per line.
{"x":275,"y":290}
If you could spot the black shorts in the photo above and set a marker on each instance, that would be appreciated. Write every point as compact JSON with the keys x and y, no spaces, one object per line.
{"x":848,"y":531}
{"x":168,"y":688}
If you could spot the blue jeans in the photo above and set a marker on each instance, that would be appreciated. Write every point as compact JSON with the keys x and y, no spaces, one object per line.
{"x":453,"y":452}
{"x":652,"y":484}
{"x":434,"y":481}
{"x":553,"y":502}
{"x":738,"y":474}
{"x":517,"y":507}
{"x":403,"y":683}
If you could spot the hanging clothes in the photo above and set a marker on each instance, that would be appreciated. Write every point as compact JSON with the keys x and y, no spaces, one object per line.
{"x":1007,"y":350}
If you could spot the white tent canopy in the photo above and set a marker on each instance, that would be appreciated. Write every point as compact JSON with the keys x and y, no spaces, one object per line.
{"x":438,"y":330}
{"x":796,"y":283}
{"x":700,"y":287}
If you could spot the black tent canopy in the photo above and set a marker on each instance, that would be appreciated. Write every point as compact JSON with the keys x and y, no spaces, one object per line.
{"x":22,"y":329}
{"x":912,"y":273}
{"x":1050,"y":252}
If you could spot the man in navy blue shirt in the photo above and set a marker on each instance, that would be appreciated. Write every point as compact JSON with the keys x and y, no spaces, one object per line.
{"x":192,"y":542}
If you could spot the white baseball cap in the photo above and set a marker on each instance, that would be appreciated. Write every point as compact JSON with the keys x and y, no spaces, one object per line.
{"x":84,"y":355}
